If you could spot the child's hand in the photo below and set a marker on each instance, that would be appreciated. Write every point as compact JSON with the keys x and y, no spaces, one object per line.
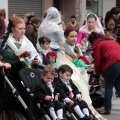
{"x":7,"y":65}
{"x":79,"y":98}
{"x":71,"y":102}
{"x":48,"y":98}
{"x":56,"y":98}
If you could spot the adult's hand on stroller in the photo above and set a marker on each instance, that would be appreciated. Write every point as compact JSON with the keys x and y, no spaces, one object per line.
{"x":48,"y":98}
{"x":36,"y":60}
{"x":71,"y":102}
{"x":7,"y":65}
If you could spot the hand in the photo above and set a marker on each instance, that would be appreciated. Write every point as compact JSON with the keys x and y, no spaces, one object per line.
{"x":80,"y":46}
{"x":84,"y":47}
{"x":48,"y":98}
{"x":35,"y":60}
{"x":71,"y":102}
{"x":7,"y":65}
{"x":79,"y":98}
{"x":56,"y":98}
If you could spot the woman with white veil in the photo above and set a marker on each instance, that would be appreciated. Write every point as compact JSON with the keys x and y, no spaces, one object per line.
{"x":50,"y":28}
{"x":92,"y":23}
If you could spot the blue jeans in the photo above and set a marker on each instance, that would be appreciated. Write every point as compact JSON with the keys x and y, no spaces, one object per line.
{"x":112,"y":78}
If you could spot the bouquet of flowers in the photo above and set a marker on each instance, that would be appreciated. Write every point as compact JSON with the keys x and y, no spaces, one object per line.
{"x":52,"y":56}
{"x":24,"y":57}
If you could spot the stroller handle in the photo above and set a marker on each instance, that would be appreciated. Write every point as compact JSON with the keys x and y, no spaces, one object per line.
{"x":3,"y":71}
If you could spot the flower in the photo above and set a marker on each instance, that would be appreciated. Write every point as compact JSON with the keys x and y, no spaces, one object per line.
{"x":52,"y":53}
{"x":24,"y":57}
{"x":84,"y":58}
{"x":25,"y":54}
{"x":52,"y":56}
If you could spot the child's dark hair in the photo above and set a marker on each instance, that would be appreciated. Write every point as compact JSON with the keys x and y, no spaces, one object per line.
{"x":65,"y":68}
{"x":43,"y":40}
{"x":48,"y":69}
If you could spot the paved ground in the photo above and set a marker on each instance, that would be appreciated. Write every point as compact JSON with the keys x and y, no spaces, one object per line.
{"x":115,"y":112}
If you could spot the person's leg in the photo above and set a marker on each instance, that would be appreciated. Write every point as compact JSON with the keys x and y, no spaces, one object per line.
{"x":111,"y":75}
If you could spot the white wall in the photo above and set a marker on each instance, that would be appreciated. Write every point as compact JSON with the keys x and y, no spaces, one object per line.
{"x":83,"y":11}
{"x":107,"y":5}
{"x":4,"y":5}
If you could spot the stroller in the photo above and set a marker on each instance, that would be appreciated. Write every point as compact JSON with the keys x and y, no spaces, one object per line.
{"x":29,"y":84}
{"x":29,"y":77}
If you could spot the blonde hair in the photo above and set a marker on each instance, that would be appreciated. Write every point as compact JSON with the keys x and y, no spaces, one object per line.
{"x":48,"y":69}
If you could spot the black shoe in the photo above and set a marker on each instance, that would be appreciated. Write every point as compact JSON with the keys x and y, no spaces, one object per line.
{"x":105,"y":112}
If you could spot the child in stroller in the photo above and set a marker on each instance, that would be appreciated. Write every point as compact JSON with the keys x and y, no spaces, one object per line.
{"x":45,"y":91}
{"x":70,"y":93}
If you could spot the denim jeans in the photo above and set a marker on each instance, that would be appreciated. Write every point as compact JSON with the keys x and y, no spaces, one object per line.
{"x":112,"y":78}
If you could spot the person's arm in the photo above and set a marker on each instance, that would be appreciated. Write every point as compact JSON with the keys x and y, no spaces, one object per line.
{"x":60,"y":89}
{"x":6,"y":65}
{"x":35,"y":57}
{"x":38,"y":93}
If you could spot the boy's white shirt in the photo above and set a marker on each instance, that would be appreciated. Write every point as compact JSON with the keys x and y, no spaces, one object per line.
{"x":70,"y":90}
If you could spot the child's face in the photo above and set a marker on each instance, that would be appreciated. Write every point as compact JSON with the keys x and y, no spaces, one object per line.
{"x":48,"y":78}
{"x":72,"y":38}
{"x":45,"y":46}
{"x":65,"y":76}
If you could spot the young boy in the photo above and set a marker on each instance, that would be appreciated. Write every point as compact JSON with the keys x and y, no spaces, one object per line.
{"x":44,"y":49}
{"x":70,"y":93}
{"x":45,"y":91}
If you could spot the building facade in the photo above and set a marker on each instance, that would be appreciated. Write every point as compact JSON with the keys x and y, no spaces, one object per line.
{"x":68,"y":7}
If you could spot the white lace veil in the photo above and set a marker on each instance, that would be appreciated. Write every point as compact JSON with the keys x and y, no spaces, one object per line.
{"x":98,"y":27}
{"x":53,"y":15}
{"x":49,"y":28}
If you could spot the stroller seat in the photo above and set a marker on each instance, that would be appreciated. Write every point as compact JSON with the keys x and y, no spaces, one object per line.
{"x":29,"y":77}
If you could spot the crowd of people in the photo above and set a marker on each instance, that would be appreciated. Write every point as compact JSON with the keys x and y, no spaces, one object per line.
{"x":72,"y":50}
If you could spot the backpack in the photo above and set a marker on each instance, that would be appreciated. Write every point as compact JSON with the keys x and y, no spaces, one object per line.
{"x":3,"y":40}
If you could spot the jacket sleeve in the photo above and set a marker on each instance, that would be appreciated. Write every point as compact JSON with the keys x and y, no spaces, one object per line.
{"x":39,"y":93}
{"x":59,"y":88}
{"x":80,"y":37}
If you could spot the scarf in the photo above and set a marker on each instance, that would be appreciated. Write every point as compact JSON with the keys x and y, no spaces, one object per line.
{"x":25,"y":44}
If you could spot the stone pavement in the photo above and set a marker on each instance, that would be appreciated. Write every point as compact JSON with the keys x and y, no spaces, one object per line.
{"x":115,"y":112}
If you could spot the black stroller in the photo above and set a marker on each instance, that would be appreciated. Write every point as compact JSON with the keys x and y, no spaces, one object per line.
{"x":29,"y":78}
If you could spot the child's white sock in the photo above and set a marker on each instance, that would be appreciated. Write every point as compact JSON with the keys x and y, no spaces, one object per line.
{"x":60,"y":113}
{"x":52,"y":113}
{"x":85,"y":111}
{"x":78,"y":111}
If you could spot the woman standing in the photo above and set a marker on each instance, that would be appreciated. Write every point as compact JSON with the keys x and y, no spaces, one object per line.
{"x":107,"y":61}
